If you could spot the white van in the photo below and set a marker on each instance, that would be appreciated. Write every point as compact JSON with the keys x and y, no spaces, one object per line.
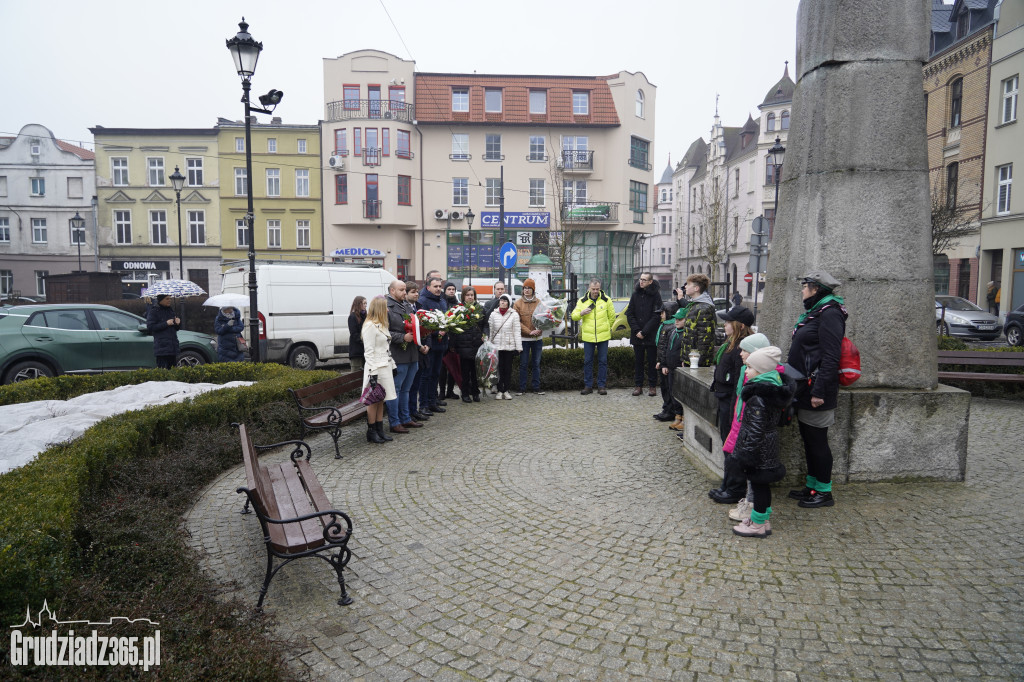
{"x":304,"y":307}
{"x":485,"y":288}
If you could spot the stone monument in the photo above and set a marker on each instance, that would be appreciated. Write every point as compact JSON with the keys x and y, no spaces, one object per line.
{"x":854,"y":201}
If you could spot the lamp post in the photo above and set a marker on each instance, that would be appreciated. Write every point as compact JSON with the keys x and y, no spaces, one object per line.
{"x":776,"y":153}
{"x":246,"y":52}
{"x":178,"y":182}
{"x":469,"y":221}
{"x":78,"y":229}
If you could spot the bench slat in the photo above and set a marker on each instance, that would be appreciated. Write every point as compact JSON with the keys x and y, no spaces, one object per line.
{"x":294,"y":538}
{"x":982,"y":376}
{"x":316,"y":491}
{"x":312,"y":529}
{"x":1009,"y":362}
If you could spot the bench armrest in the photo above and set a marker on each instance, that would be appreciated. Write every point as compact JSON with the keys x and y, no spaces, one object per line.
{"x":332,"y":528}
{"x":335,"y":417}
{"x":296,"y":453}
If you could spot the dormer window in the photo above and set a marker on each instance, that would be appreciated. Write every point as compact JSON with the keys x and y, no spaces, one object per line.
{"x":963,"y":23}
{"x":34,"y":148}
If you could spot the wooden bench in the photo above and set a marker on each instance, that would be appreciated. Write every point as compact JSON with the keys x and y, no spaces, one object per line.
{"x":983,"y":359}
{"x":297,"y":518}
{"x":313,"y":416}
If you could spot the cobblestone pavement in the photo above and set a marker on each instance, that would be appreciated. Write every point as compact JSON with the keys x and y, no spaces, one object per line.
{"x":559,"y":537}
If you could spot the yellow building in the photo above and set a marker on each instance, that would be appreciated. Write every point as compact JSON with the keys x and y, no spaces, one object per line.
{"x":137,"y":218}
{"x":288,"y":221}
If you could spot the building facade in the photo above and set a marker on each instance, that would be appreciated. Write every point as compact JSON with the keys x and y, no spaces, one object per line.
{"x":44,"y":183}
{"x":568,"y":158}
{"x":655,"y":250}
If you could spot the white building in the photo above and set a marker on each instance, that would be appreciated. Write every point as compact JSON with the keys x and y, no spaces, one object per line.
{"x":655,"y":252}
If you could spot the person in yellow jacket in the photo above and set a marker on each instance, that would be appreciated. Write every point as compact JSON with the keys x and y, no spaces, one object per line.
{"x":596,"y":314}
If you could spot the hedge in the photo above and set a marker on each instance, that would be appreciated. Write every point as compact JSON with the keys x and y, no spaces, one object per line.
{"x":40,"y":501}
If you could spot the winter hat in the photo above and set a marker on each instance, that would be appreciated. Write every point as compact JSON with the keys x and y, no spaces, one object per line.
{"x":754,"y":342}
{"x":681,"y":313}
{"x":738,"y":314}
{"x":528,"y":282}
{"x":764,"y":359}
{"x":822,"y":279}
{"x":161,"y":297}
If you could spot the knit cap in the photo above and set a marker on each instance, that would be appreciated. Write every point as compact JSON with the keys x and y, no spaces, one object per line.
{"x":754,"y":342}
{"x":528,"y":282}
{"x":764,"y":359}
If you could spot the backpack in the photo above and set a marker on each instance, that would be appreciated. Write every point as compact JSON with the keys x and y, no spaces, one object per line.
{"x":849,"y":362}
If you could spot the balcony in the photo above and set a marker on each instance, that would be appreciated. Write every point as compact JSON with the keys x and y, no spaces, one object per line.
{"x":371,"y":209}
{"x":371,"y":156}
{"x":590,"y":212}
{"x":639,"y":162}
{"x":577,"y":160}
{"x":383,"y":109}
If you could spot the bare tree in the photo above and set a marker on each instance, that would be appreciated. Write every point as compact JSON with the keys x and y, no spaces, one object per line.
{"x":566,"y":235}
{"x":712,"y":217}
{"x":951,"y":221}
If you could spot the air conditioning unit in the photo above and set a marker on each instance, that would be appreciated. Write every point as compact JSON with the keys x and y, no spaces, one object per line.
{"x":456,"y":215}
{"x":337,"y":162}
{"x":441,"y":214}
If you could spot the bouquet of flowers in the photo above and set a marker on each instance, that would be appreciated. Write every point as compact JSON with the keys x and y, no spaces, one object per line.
{"x":549,"y":314}
{"x":459,"y":318}
{"x":412,"y":326}
{"x":486,"y":361}
{"x":431,"y":321}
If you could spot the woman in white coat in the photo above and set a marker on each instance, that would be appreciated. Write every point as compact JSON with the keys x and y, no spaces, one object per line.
{"x":506,"y":335}
{"x":377,"y":363}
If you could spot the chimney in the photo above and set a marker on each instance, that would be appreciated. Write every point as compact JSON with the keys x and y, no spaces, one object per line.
{"x":276,"y":120}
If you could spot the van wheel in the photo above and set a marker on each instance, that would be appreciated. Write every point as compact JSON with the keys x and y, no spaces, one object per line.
{"x":24,"y":371}
{"x":302,"y":357}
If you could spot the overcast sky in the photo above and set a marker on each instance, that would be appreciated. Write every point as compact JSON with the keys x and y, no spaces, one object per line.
{"x":70,"y":65}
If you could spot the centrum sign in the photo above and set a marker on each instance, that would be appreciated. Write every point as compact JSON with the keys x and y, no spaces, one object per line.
{"x":356,"y":251}
{"x":512,"y":219}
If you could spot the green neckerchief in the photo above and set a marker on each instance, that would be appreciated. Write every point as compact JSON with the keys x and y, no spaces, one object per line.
{"x":720,"y":353}
{"x":657,"y":336}
{"x":818,"y":306}
{"x":771,"y":377}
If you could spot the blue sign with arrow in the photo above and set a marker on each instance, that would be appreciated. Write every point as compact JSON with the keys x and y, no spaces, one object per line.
{"x":507,"y":255}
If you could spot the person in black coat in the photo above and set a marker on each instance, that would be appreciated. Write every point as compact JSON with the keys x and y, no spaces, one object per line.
{"x":228,"y":327}
{"x":728,"y":363}
{"x":764,"y":398}
{"x":163,"y":324}
{"x":817,"y":339}
{"x":445,"y":380}
{"x":356,"y":317}
{"x":465,"y":345}
{"x":643,"y":315}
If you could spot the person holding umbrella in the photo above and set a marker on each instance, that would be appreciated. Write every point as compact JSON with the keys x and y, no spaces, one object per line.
{"x":163,"y":324}
{"x":229,"y":326}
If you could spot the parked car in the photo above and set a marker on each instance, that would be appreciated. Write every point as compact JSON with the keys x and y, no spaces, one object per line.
{"x":620,"y":314}
{"x":45,"y":340}
{"x":1013,"y":326}
{"x":964,"y":319}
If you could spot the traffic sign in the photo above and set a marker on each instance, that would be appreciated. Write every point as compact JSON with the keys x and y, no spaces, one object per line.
{"x":748,"y":278}
{"x":508,"y":255}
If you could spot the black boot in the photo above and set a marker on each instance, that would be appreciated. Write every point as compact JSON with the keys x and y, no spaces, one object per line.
{"x":379,"y":426}
{"x":371,"y":434}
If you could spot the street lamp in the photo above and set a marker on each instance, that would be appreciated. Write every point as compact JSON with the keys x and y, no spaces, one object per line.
{"x":78,"y":229}
{"x":178,"y":181}
{"x":246,"y":52}
{"x":775,"y":154}
{"x":470,"y":216}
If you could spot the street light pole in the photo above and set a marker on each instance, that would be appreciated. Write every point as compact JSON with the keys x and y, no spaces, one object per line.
{"x":776,"y":153}
{"x":469,"y":221}
{"x":178,"y":182}
{"x":78,"y":229}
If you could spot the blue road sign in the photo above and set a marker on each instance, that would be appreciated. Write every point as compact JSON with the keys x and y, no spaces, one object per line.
{"x":507,"y":255}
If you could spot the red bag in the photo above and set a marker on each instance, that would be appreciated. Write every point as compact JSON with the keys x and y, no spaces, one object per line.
{"x":849,"y":363}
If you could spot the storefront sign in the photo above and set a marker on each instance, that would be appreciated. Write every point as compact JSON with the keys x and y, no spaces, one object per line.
{"x":512,"y":219}
{"x":477,"y":255}
{"x":372,"y":253}
{"x":130,"y":265}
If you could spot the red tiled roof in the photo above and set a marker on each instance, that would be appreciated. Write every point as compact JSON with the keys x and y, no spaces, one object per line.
{"x":81,"y":153}
{"x":434,"y":99}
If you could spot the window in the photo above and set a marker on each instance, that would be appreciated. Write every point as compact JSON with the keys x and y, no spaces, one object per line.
{"x":492,"y":194}
{"x":241,"y":232}
{"x":123,"y":227}
{"x":273,"y":182}
{"x":300,"y":146}
{"x":357,"y":141}
{"x":302,"y":234}
{"x":372,"y":204}
{"x":158,"y":227}
{"x":956,"y":93}
{"x":663,"y":254}
{"x":538,"y":101}
{"x":770,"y":122}
{"x":639,"y":103}
{"x":492,"y":100}
{"x":638,"y":200}
{"x":1005,"y":175}
{"x":301,"y":182}
{"x":769,"y":171}
{"x":351,"y":95}
{"x":156,"y":171}
{"x":197,"y":228}
{"x":536,"y":192}
{"x":340,"y":143}
{"x":273,"y":234}
{"x":35,"y":149}
{"x":38,"y":186}
{"x":119,"y":171}
{"x":736,"y":184}
{"x":396,"y":94}
{"x":769,"y":215}
{"x":3,"y":185}
{"x":537,"y":148}
{"x":74,"y":188}
{"x":785,"y":121}
{"x":113,"y":320}
{"x":194,"y":168}
{"x":460,"y":191}
{"x":460,"y":146}
{"x":492,"y":148}
{"x":404,"y":190}
{"x":952,"y":180}
{"x":240,"y":144}
{"x":639,"y":153}
{"x":39,"y":230}
{"x":404,"y":147}
{"x":460,"y":99}
{"x":241,"y":183}
{"x":6,"y":282}
{"x":581,"y":103}
{"x":271,"y":145}
{"x":5,"y":230}
{"x":41,"y":276}
{"x":963,"y":23}
{"x":385,"y":144}
{"x":1011,"y":87}
{"x":574,"y":191}
{"x":341,"y":189}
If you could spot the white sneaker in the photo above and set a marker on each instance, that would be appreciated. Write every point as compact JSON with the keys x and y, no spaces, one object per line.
{"x":741,"y":512}
{"x":508,"y":396}
{"x":499,"y":396}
